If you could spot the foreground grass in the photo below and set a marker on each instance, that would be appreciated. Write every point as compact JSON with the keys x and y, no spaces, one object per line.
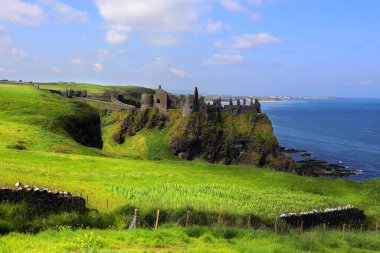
{"x":192,"y":239}
{"x":97,"y":177}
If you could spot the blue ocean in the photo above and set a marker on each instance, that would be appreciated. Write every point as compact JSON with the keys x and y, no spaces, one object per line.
{"x":342,"y":131}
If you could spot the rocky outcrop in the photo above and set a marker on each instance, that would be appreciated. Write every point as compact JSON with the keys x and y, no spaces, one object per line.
{"x":314,"y":167}
{"x":44,"y":199}
{"x":229,"y":139}
{"x":329,"y":216}
{"x":133,"y":123}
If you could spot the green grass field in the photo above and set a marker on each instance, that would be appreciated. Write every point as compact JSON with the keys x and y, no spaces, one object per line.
{"x":36,"y":151}
{"x":193,"y":239}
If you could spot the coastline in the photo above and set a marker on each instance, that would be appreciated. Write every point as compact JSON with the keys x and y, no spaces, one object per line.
{"x":311,"y":166}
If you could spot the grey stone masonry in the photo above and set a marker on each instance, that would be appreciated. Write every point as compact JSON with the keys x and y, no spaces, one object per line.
{"x":47,"y":200}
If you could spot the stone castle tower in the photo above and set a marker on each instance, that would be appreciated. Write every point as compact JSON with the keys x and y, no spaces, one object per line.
{"x":194,"y":103}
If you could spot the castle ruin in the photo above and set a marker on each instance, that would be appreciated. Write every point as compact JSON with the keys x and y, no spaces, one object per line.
{"x":189,"y":104}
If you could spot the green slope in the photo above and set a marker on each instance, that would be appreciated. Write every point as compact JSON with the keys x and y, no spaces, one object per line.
{"x":131,"y":94}
{"x":36,"y":120}
{"x":36,"y":149}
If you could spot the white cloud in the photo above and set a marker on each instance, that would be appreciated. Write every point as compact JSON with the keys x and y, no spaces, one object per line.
{"x":219,"y":44}
{"x":238,"y":7}
{"x":213,"y":27}
{"x":21,"y":12}
{"x":150,"y":17}
{"x":160,"y":61}
{"x":168,"y":15}
{"x":5,"y":43}
{"x":365,"y":82}
{"x":159,"y":22}
{"x":255,"y":2}
{"x":253,"y":40}
{"x":247,"y":41}
{"x":179,"y":72}
{"x":164,"y":41}
{"x":2,"y":28}
{"x":7,"y":49}
{"x":77,"y":62}
{"x":18,"y":54}
{"x":115,"y":37}
{"x":98,"y":66}
{"x":232,"y":5}
{"x":65,"y":13}
{"x":223,"y":59}
{"x":56,"y":70}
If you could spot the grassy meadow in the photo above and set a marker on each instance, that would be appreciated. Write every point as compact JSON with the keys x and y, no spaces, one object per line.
{"x":35,"y":150}
{"x":193,"y":239}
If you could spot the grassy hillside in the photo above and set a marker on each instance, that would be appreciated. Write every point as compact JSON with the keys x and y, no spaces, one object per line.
{"x":131,"y":94}
{"x":36,"y":149}
{"x":36,"y":120}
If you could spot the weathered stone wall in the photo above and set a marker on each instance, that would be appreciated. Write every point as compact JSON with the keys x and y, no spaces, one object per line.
{"x":146,"y":101}
{"x":45,"y":199}
{"x":123,"y":105}
{"x":329,"y":216}
{"x":112,"y":106}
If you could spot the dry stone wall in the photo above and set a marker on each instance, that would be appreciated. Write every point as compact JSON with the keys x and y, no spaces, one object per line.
{"x":47,"y":200}
{"x":329,"y":216}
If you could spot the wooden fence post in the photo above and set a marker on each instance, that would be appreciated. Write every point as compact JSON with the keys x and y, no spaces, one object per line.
{"x":361,"y":228}
{"x":249,"y":221}
{"x":324,"y":226}
{"x":344,"y":227}
{"x":301,"y":226}
{"x":107,"y":203}
{"x":135,"y":217}
{"x":157,"y":217}
{"x":219,"y":218}
{"x":87,"y":199}
{"x":187,"y":218}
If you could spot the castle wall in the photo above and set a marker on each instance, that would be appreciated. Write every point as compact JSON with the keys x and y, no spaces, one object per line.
{"x":189,"y":104}
{"x":187,"y":108}
{"x":202,"y":106}
{"x":146,"y":101}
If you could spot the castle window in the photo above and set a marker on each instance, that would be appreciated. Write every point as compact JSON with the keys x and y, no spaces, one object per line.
{"x":191,"y":107}
{"x":158,"y":101}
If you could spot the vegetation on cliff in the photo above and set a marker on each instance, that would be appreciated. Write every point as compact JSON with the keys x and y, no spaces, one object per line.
{"x":220,"y":138}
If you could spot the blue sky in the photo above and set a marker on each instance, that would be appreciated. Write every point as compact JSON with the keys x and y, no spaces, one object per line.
{"x":250,"y":47}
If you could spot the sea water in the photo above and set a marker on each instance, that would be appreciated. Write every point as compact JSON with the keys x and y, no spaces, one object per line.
{"x":342,"y":131}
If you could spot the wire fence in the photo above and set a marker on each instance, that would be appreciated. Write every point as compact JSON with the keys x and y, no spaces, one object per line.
{"x":190,"y":218}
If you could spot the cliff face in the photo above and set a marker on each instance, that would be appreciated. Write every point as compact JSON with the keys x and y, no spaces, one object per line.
{"x":229,"y":139}
{"x":220,"y":138}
